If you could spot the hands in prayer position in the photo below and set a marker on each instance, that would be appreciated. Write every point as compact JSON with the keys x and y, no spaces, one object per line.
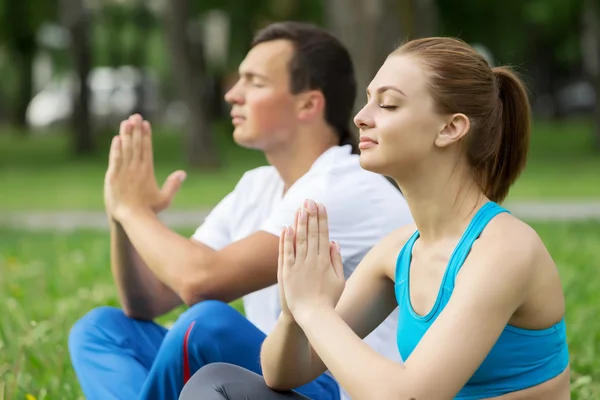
{"x":311,"y":274}
{"x":130,"y":183}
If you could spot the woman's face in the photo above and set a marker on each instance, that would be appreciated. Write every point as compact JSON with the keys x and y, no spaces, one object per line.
{"x":398,"y":125}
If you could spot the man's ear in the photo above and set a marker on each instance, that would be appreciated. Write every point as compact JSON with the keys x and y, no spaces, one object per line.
{"x":310,"y":105}
{"x":456,"y":127}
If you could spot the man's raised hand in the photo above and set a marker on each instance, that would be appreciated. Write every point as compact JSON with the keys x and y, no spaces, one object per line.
{"x":130,"y":183}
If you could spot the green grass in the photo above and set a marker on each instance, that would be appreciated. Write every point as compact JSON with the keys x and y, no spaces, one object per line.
{"x":562,"y":164}
{"x":37,"y":173}
{"x":49,"y":280}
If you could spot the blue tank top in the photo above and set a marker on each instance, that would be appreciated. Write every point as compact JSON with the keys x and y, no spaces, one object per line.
{"x":521,"y":358}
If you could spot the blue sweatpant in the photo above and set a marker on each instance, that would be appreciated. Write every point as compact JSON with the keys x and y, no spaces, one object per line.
{"x":117,"y":357}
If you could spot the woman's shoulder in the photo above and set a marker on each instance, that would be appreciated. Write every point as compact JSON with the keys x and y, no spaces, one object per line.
{"x":508,"y":233}
{"x":526,"y":257}
{"x":385,"y":253}
{"x":510,"y":249}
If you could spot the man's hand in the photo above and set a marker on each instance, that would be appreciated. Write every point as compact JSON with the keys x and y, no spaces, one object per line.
{"x":130,"y":184}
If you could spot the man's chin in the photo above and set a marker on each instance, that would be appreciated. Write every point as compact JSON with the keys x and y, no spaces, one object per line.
{"x":243,"y":139}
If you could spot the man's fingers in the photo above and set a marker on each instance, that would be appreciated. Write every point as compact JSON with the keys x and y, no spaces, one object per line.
{"x":126,"y":142}
{"x":147,"y":156}
{"x":122,"y":127}
{"x":137,"y":140}
{"x":172,"y":185}
{"x":114,"y":158}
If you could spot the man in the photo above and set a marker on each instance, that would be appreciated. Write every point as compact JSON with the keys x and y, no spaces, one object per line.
{"x":293,"y":101}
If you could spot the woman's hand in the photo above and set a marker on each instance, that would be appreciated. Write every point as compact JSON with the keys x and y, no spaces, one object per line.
{"x":311,"y":272}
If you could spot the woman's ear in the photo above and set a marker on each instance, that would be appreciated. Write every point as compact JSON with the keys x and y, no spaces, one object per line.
{"x":453,"y":131}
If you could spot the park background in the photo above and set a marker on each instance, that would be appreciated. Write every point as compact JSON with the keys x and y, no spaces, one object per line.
{"x":73,"y":69}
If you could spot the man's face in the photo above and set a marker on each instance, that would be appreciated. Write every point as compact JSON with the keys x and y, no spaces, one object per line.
{"x":263,"y":109}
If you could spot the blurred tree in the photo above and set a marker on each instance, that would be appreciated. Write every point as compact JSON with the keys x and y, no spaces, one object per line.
{"x":590,"y":49}
{"x":189,"y":72}
{"x":371,"y":29}
{"x":143,"y":21}
{"x":113,"y":18}
{"x":539,"y":37}
{"x":76,"y":18}
{"x":424,"y":18}
{"x":20,"y":21}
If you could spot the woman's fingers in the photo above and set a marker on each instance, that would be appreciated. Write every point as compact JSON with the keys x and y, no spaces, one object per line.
{"x":312,"y":247}
{"x":288,"y":247}
{"x":281,"y":254}
{"x":336,"y":259}
{"x":323,"y":230}
{"x":301,"y":238}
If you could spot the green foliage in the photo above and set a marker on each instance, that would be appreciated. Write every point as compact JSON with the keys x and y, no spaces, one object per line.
{"x":20,"y":20}
{"x":512,"y":28}
{"x":559,"y":22}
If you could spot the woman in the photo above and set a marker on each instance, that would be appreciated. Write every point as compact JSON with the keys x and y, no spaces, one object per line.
{"x":480,"y":299}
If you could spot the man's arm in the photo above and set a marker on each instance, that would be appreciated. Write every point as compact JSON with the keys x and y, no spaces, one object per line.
{"x":166,"y":268}
{"x":194,"y":271}
{"x":142,"y":295}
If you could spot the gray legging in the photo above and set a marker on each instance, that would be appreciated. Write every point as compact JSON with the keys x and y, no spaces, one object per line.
{"x":221,"y":381}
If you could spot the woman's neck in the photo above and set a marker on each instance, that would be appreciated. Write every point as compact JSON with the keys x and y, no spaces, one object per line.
{"x":442,"y":204}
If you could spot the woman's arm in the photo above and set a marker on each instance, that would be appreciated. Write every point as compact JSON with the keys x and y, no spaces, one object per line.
{"x":490,"y":288}
{"x":287,"y":358}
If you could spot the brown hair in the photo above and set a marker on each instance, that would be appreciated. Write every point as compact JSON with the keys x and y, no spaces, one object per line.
{"x":495,"y":101}
{"x":320,"y":62}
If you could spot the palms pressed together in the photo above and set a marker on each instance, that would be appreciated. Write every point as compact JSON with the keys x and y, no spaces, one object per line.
{"x":310,"y":274}
{"x":129,"y":182}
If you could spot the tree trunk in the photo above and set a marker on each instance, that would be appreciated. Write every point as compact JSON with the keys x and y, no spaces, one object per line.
{"x":590,"y":43}
{"x":25,"y":91}
{"x":142,"y":18}
{"x":425,"y":18}
{"x":20,"y":41}
{"x":112,"y":16}
{"x":370,"y":29}
{"x":77,"y":21}
{"x":189,"y":70}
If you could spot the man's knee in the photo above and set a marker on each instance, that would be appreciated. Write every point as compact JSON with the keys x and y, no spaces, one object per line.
{"x":87,"y":326}
{"x":211,"y":319}
{"x":199,"y":333}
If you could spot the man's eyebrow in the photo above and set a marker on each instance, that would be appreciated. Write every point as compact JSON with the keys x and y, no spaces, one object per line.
{"x":251,"y":74}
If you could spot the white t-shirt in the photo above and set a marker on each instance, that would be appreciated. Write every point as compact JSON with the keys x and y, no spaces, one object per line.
{"x":362,"y":208}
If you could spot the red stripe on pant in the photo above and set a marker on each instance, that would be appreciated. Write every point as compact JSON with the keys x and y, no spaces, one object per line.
{"x":186,"y":358}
